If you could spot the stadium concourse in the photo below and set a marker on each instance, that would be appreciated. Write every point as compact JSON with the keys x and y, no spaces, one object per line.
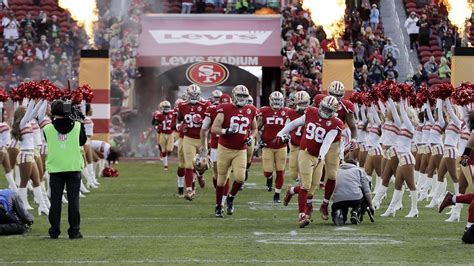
{"x":237,"y":132}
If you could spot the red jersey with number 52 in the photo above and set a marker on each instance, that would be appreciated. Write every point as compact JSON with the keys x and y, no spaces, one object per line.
{"x":165,"y":122}
{"x":298,"y":132}
{"x":192,"y":116}
{"x":211,"y":112}
{"x":273,"y":121}
{"x":240,"y":119}
{"x":316,"y":129}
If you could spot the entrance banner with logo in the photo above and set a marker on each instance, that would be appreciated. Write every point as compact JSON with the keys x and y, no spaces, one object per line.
{"x":169,"y":40}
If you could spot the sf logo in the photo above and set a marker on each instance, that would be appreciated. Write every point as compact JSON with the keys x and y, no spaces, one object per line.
{"x":208,"y":74}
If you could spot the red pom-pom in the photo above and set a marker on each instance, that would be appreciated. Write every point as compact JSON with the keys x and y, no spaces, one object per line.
{"x":110,"y":172}
{"x":423,"y":95}
{"x":52,"y":92}
{"x":464,"y":94}
{"x":87,"y":92}
{"x":76,"y":96}
{"x":442,"y":91}
{"x":35,"y":90}
{"x":3,"y":95}
{"x":383,"y":90}
{"x":395,"y":92}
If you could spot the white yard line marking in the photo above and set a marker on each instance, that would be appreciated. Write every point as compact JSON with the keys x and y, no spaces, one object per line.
{"x":331,"y":240}
{"x":194,"y":261}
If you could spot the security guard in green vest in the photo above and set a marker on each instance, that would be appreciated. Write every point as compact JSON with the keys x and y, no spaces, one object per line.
{"x":64,"y":162}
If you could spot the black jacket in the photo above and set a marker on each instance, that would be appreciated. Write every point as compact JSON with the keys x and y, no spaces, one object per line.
{"x":65,"y":125}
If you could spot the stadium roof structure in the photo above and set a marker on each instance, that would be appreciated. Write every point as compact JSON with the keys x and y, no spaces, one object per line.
{"x":169,"y":40}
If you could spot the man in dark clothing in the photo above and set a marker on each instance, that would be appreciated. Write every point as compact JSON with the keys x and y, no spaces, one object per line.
{"x":14,"y":219}
{"x":64,"y":162}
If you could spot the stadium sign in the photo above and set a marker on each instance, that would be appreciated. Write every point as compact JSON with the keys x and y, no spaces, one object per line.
{"x":209,"y":38}
{"x":207,"y":74}
{"x":169,"y":40}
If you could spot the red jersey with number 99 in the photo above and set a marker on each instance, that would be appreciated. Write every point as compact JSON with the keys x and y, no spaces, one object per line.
{"x":192,"y":117}
{"x":298,"y":132}
{"x":316,"y":129}
{"x":273,"y":121}
{"x":240,"y":119}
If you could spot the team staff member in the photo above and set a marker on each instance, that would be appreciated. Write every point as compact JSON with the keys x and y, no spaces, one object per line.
{"x":64,"y":162}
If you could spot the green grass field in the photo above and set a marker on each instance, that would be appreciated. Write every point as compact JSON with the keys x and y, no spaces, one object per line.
{"x":137,"y":219}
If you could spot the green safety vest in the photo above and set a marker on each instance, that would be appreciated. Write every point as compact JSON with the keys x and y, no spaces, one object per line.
{"x":64,"y":151}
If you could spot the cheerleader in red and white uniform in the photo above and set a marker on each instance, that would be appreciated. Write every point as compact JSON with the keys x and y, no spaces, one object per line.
{"x":4,"y":142}
{"x":425,"y":150}
{"x":448,"y":162}
{"x":361,"y":133}
{"x":89,"y":171}
{"x":373,"y":163}
{"x":417,"y":145}
{"x":40,"y":146}
{"x":406,"y":169}
{"x":22,"y":131}
{"x":390,"y":160}
{"x":436,"y":142}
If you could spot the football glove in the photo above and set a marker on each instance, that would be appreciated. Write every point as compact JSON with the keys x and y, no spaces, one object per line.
{"x":249,"y":141}
{"x":230,"y":130}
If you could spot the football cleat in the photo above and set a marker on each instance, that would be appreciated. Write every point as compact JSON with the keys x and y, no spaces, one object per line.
{"x":447,"y":201}
{"x":276,"y":198}
{"x":269,"y":183}
{"x":323,"y":210}
{"x":338,"y":218}
{"x":288,"y":195}
{"x":190,"y":195}
{"x":355,"y":217}
{"x":165,"y":168}
{"x":309,"y":209}
{"x":180,"y":193}
{"x":303,"y":220}
{"x":230,"y":205}
{"x":218,"y":212}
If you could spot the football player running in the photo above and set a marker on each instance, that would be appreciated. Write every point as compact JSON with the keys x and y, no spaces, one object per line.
{"x":345,"y":113}
{"x":233,"y":123}
{"x":211,"y":114}
{"x":272,"y":119}
{"x":164,"y":120}
{"x":191,"y":113}
{"x":301,"y":101}
{"x":321,"y":128}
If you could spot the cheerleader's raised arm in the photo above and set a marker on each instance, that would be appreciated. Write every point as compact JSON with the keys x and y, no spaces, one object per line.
{"x":439,"y":109}
{"x":376,"y":118}
{"x":393,"y":110}
{"x":428,"y":112}
{"x":452,"y":115}
{"x":406,"y":120}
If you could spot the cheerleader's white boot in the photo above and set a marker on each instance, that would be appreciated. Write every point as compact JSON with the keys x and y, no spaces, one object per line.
{"x":392,"y":208}
{"x":42,"y":209}
{"x":455,"y":214}
{"x":11,"y":181}
{"x":414,"y":208}
{"x":377,"y":201}
{"x":23,"y":191}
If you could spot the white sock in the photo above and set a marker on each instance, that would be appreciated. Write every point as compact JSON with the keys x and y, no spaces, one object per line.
{"x":11,"y":181}
{"x":456,"y":188}
{"x":224,"y":198}
{"x":180,"y":181}
{"x":277,"y":190}
{"x":17,"y":175}
{"x":292,"y":190}
{"x":165,"y":160}
{"x":23,"y":192}
{"x":468,"y":225}
{"x":454,"y":199}
{"x":39,"y":196}
{"x":414,"y":200}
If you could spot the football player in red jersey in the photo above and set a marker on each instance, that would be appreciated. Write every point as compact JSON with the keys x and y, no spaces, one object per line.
{"x":233,"y":123}
{"x":322,"y":128}
{"x":165,"y":121}
{"x":179,"y":143}
{"x":191,"y":113}
{"x":301,"y":101}
{"x":345,"y":113}
{"x":157,"y":125}
{"x":272,"y":119}
{"x":211,"y":114}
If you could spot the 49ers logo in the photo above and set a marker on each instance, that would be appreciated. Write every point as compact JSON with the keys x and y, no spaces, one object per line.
{"x":207,"y":74}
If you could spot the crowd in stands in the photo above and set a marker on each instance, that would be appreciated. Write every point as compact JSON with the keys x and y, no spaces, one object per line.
{"x":39,"y":41}
{"x":304,"y":45}
{"x":119,"y":34}
{"x":434,"y":38}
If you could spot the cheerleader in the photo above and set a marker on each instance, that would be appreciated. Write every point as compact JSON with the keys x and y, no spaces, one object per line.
{"x":418,"y":147}
{"x":105,"y":154}
{"x":88,"y":171}
{"x":448,"y":162}
{"x":361,"y":134}
{"x":405,"y":171}
{"x":425,"y":154}
{"x":436,"y":141}
{"x":390,"y":160}
{"x":40,"y":146}
{"x":373,"y":163}
{"x":22,"y":131}
{"x":4,"y":157}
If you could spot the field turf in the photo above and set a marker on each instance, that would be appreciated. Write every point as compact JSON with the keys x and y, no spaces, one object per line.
{"x":136,"y":218}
